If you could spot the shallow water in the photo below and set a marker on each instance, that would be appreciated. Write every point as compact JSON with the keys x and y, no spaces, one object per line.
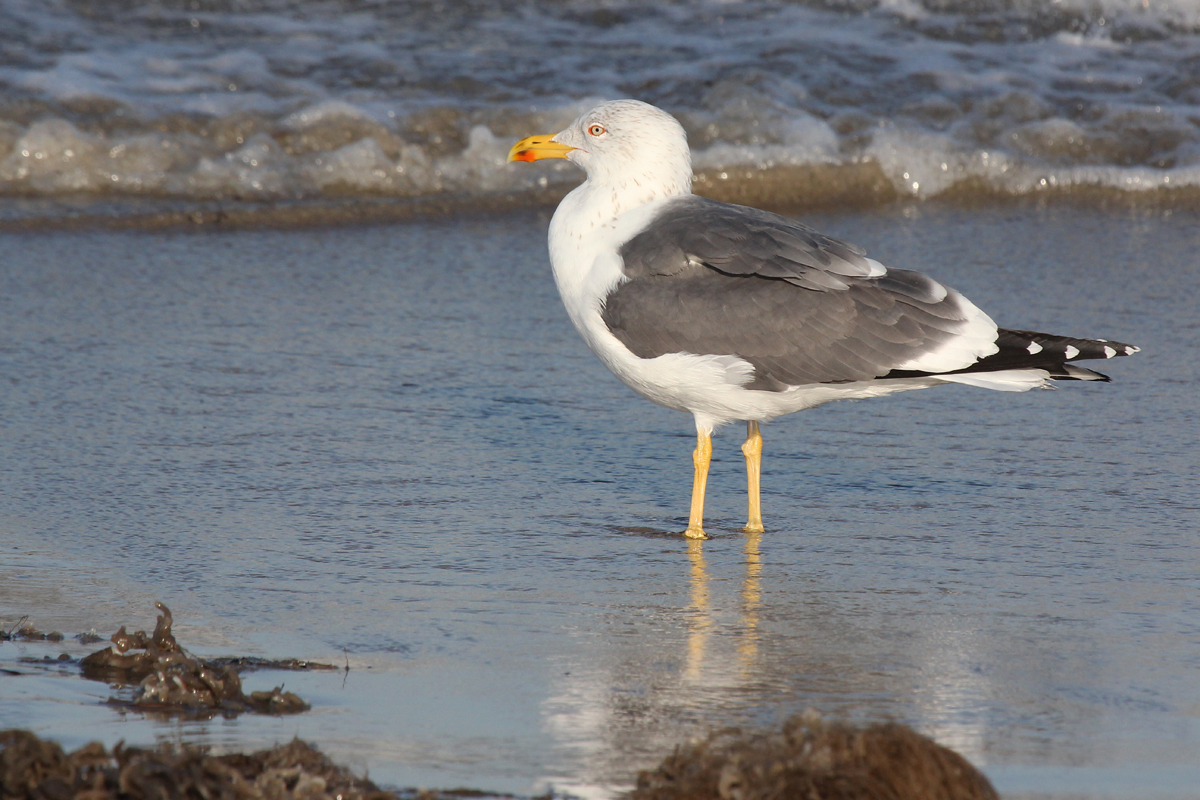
{"x":386,"y":447}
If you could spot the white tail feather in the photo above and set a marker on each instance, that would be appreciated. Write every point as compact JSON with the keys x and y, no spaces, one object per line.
{"x":1005,"y":380}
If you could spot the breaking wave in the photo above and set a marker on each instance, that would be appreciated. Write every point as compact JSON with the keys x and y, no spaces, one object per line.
{"x":818,"y":103}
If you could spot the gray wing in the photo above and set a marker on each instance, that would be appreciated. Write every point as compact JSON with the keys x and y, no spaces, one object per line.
{"x":714,"y":278}
{"x":738,"y":240}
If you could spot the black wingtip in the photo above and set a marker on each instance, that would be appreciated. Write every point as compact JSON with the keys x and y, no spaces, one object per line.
{"x":1063,"y":348}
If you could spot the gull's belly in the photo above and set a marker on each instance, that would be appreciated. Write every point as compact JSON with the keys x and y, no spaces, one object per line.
{"x":711,"y":387}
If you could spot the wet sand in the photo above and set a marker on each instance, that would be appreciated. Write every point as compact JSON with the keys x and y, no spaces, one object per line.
{"x":385,"y":444}
{"x":794,"y":190}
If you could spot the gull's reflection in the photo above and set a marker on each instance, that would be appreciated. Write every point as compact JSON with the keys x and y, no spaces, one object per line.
{"x":705,"y":647}
{"x":701,"y":613}
{"x":751,"y":601}
{"x":703,"y":616}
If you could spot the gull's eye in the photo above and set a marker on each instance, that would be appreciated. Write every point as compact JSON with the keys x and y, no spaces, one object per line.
{"x":596,"y":130}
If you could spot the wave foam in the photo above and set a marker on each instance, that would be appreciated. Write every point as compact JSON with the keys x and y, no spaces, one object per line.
{"x":877,"y":99}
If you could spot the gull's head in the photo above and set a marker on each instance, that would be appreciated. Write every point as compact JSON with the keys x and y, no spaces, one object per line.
{"x":623,"y":143}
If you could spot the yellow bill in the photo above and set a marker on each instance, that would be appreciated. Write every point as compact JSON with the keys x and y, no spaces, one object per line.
{"x":535,"y":148}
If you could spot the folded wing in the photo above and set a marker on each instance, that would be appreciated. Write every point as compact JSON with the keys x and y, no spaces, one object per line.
{"x":713,"y":278}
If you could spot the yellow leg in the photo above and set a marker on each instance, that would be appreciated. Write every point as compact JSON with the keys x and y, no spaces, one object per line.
{"x":752,"y":449}
{"x":701,"y":459}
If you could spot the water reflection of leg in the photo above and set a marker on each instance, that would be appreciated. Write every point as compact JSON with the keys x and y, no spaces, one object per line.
{"x":752,"y":449}
{"x":751,"y":601}
{"x":701,"y":613}
{"x":700,"y":459}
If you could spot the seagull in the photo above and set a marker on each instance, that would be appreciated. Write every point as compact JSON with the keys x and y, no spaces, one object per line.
{"x":733,"y":313}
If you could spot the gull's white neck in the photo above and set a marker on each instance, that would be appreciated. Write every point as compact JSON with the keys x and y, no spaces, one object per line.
{"x":590,"y":225}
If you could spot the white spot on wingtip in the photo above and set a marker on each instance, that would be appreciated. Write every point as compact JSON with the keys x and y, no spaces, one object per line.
{"x":1034,"y":348}
{"x":1109,"y":352}
{"x":877,"y":269}
{"x":1130,"y":349}
{"x":1071,"y":352}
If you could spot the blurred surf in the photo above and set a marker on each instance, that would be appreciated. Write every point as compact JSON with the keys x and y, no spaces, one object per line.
{"x":819,"y":103}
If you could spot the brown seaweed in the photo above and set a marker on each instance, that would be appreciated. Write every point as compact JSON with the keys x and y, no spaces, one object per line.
{"x":812,"y":759}
{"x":36,"y":769}
{"x":24,"y":630}
{"x":808,"y":760}
{"x":170,"y":680}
